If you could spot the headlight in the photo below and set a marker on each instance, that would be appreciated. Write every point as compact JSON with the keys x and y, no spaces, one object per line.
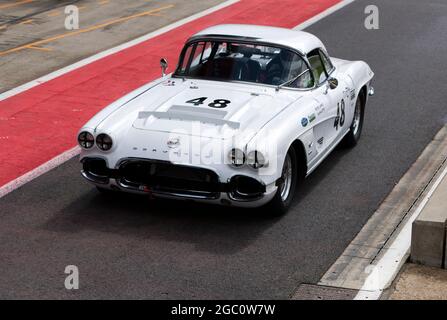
{"x":237,"y":157}
{"x":86,"y":140}
{"x":256,"y":159}
{"x":104,"y":142}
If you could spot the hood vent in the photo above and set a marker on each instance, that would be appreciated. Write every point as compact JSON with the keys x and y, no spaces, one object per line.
{"x":191,"y":114}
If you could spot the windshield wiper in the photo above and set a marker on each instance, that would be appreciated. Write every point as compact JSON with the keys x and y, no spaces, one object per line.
{"x":291,"y":80}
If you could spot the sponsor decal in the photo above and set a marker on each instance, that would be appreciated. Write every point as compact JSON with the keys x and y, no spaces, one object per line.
{"x":310,"y":151}
{"x":304,"y":122}
{"x":320,"y":141}
{"x":312,"y":117}
{"x":319,"y":109}
{"x":352,"y":94}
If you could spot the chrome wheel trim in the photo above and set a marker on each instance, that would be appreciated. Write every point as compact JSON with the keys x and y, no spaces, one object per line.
{"x":357,"y":118}
{"x":286,"y":178}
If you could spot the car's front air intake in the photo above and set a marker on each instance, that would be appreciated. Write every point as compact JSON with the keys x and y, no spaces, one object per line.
{"x":165,"y":177}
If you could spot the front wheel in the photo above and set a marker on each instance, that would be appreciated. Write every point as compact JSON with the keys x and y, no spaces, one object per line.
{"x":353,"y":136}
{"x":286,"y":186}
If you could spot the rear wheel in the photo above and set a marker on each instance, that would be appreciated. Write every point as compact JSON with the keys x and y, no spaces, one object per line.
{"x":353,"y":136}
{"x":286,"y":186}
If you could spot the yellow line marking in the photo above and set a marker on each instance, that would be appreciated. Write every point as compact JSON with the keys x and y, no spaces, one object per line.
{"x":39,"y":48}
{"x":54,"y":14}
{"x":18,"y":3}
{"x":26,"y":21}
{"x":2,"y":27}
{"x":103,"y":2}
{"x":92,"y":28}
{"x":81,"y":8}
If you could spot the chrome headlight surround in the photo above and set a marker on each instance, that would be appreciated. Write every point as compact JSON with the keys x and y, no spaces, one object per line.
{"x":104,"y":142}
{"x":256,"y":160}
{"x":86,"y":140}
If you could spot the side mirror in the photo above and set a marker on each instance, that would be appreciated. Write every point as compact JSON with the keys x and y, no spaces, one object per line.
{"x":164,"y":66}
{"x":333,"y":83}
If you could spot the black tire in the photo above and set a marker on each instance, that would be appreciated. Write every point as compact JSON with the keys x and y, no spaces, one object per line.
{"x":104,"y":190}
{"x":355,"y":131}
{"x":279,"y":206}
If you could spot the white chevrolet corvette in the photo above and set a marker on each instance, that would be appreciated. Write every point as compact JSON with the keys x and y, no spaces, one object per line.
{"x":247,"y":114}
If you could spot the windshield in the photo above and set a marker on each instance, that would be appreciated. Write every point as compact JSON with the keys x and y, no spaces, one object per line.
{"x":232,"y":61}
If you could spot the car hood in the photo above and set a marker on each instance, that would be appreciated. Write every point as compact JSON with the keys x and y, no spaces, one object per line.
{"x":201,"y":108}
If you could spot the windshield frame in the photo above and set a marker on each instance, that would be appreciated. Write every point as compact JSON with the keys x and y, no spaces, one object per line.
{"x":240,"y":40}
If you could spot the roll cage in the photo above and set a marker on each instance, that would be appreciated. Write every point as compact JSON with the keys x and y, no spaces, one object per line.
{"x":249,"y":41}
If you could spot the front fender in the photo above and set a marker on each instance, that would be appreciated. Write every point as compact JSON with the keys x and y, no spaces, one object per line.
{"x":275,"y":139}
{"x":97,"y":119}
{"x":359,"y":72}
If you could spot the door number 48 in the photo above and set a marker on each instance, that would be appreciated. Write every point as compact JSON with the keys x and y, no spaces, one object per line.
{"x":340,"y":118}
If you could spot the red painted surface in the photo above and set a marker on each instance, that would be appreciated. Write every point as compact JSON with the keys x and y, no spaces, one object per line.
{"x":41,"y":123}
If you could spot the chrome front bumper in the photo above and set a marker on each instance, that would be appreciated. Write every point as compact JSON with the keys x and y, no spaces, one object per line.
{"x":167,"y":180}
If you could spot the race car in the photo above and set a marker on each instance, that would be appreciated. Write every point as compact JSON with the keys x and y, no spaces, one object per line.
{"x":248,"y":113}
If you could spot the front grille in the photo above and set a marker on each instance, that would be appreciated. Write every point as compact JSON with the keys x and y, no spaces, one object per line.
{"x":165,"y":177}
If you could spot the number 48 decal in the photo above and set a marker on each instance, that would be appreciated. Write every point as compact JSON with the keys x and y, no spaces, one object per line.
{"x":218,"y":103}
{"x":340,"y":118}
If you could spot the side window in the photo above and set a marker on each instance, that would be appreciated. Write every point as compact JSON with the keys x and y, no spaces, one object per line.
{"x":326,"y":62}
{"x":288,"y":68}
{"x":317,"y":66}
{"x":301,"y":72}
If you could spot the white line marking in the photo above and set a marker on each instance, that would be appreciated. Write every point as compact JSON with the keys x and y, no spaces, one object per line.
{"x":113,"y":50}
{"x":47,"y":166}
{"x":386,"y":269}
{"x":56,"y":161}
{"x":322,"y":15}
